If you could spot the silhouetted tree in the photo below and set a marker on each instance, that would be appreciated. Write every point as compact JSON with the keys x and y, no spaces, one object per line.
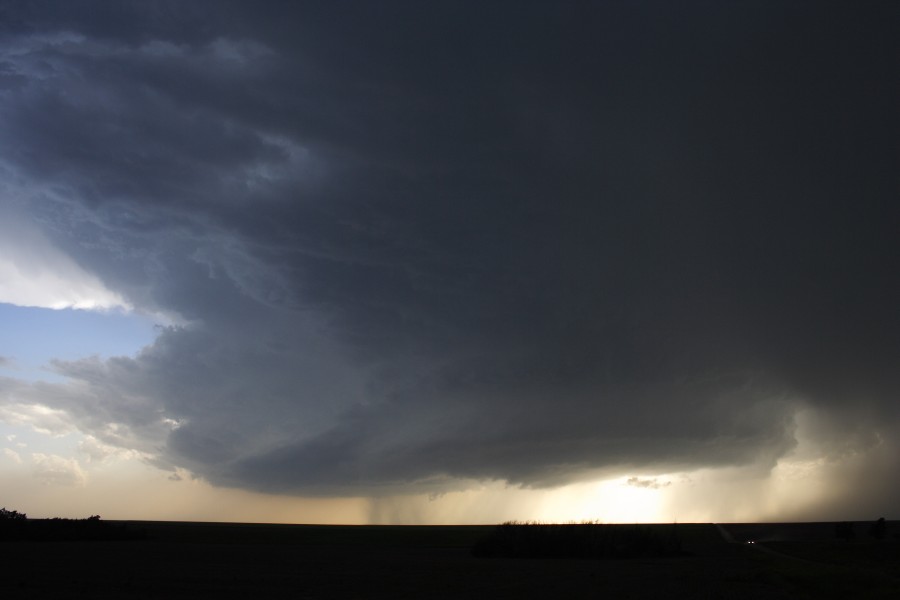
{"x":878,"y":529}
{"x":11,"y":515}
{"x":14,"y":526}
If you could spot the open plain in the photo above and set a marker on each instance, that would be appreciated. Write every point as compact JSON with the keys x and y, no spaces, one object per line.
{"x":212,"y":560}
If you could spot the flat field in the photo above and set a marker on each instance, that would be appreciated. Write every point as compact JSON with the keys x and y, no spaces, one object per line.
{"x":214,"y":560}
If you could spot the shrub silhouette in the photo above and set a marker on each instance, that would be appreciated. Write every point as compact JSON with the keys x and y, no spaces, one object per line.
{"x":878,"y":529}
{"x":15,"y":526}
{"x":11,"y":515}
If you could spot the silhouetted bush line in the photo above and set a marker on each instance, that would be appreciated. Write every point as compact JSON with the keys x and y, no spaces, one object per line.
{"x":877,"y":530}
{"x":581,"y":540}
{"x":16,"y":526}
{"x":11,"y":515}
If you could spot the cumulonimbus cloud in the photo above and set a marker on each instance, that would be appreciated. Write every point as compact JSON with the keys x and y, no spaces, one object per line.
{"x":402,"y":265}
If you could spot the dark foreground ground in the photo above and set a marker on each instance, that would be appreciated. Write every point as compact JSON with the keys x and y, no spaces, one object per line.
{"x":206,"y":560}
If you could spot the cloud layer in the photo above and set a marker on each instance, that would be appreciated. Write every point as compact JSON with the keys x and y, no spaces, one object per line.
{"x":411,"y":247}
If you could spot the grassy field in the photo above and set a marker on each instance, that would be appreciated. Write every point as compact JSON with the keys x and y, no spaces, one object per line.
{"x":209,"y":560}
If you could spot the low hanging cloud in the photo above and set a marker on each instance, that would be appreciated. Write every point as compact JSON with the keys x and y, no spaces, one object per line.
{"x":52,"y":469}
{"x":41,"y":418}
{"x":652,"y":483}
{"x":399,"y":264}
{"x":96,"y":451}
{"x":12,"y":455}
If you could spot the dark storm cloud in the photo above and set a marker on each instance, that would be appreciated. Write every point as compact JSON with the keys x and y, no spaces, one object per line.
{"x":417,"y":244}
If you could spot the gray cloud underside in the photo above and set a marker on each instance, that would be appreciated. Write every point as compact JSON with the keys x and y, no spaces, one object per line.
{"x":418,"y":245}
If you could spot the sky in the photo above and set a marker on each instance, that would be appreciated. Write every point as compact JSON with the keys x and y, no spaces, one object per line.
{"x":450,"y":262}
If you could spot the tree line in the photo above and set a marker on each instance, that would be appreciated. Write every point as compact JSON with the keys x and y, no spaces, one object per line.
{"x":16,"y":526}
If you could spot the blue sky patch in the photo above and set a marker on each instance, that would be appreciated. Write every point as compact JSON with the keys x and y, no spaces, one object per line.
{"x":31,"y":337}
